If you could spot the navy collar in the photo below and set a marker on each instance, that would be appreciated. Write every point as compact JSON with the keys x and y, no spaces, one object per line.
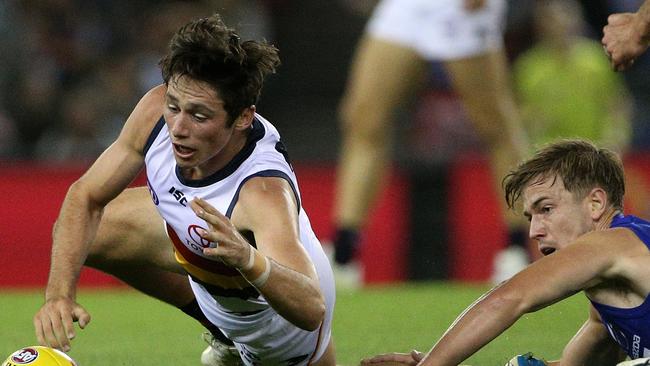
{"x":256,"y":134}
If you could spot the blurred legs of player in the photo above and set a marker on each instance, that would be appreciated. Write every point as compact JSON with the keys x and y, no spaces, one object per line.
{"x":131,"y":244}
{"x":383,"y":76}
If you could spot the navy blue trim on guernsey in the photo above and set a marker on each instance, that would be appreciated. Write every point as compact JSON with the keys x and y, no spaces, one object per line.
{"x":152,"y":136}
{"x":256,"y":134}
{"x":630,"y":313}
{"x":267,"y":174}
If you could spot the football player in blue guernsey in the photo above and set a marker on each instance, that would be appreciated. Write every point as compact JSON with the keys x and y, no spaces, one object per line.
{"x":572,"y":193}
{"x":219,"y":176}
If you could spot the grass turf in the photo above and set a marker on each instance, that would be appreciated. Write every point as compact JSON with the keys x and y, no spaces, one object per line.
{"x":130,"y":329}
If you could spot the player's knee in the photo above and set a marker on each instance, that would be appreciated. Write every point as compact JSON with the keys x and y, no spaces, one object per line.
{"x":492,"y":138}
{"x":366,"y":130}
{"x":363,"y":116}
{"x":493,"y":127}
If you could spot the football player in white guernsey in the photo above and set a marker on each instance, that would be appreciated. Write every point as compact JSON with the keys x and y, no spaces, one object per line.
{"x":220,"y":179}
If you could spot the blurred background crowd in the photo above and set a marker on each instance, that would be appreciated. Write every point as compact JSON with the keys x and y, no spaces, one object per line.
{"x":72,"y":70}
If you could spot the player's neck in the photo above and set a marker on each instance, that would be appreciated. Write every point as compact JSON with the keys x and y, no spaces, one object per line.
{"x":606,"y":219}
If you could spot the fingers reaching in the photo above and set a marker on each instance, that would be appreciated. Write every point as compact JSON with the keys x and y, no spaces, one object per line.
{"x":622,"y":41}
{"x":54,"y":323}
{"x":392,"y":359}
{"x":207,"y":212}
{"x":417,"y":355}
{"x":81,"y":316}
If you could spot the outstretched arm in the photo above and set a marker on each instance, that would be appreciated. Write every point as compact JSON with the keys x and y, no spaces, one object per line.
{"x":77,"y":224}
{"x":626,"y":36}
{"x":543,"y":283}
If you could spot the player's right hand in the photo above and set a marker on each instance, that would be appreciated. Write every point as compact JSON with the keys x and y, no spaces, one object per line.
{"x":53,"y":322}
{"x":622,"y":41}
{"x":232,"y":248}
{"x":394,"y":359}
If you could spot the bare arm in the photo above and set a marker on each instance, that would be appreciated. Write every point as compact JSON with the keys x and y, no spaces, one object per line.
{"x":77,"y":224}
{"x":267,"y":207}
{"x":543,"y":283}
{"x":626,"y":36}
{"x":591,"y":345}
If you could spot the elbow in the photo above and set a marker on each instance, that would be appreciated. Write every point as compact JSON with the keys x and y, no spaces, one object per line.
{"x":508,"y":302}
{"x":319,"y":317}
{"x":80,"y":194}
{"x":313,"y":315}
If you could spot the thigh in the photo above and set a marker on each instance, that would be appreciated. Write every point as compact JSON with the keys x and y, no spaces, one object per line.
{"x":132,"y":233}
{"x":382,"y":75}
{"x":483,"y":84}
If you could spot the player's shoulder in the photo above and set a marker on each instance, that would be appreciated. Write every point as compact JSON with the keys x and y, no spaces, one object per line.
{"x":144,"y":117}
{"x":618,"y":247}
{"x":152,"y":102}
{"x":260,"y":198}
{"x":266,"y":192}
{"x":615,"y":241}
{"x":262,"y":188}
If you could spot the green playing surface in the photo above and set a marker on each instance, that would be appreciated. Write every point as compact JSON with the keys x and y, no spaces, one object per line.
{"x":130,"y":329}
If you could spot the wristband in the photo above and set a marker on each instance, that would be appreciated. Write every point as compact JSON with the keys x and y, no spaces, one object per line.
{"x":251,"y":260}
{"x":258,"y":268}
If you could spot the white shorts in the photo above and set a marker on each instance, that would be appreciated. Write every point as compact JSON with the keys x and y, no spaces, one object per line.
{"x":440,"y":29}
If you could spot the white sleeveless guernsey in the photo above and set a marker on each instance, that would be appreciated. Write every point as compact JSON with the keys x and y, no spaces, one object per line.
{"x":226,"y":298}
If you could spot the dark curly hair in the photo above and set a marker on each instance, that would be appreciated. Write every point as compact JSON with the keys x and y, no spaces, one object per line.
{"x":580,"y":164}
{"x":207,"y":50}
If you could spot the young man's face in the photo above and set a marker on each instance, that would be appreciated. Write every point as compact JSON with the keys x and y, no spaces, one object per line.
{"x":556,"y":216}
{"x":198,"y":126}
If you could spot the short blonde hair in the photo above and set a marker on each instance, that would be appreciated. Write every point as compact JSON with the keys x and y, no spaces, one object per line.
{"x":580,"y":164}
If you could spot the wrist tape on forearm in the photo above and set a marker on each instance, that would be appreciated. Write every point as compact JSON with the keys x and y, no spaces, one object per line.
{"x":258,"y":268}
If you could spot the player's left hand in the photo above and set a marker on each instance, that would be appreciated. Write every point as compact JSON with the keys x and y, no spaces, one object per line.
{"x":622,"y":41}
{"x":394,"y":359}
{"x":232,"y":248}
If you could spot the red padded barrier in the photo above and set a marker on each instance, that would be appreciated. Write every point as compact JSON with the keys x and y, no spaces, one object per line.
{"x":476,"y":227}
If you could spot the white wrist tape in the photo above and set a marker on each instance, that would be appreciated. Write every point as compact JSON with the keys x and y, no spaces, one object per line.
{"x":251,"y":259}
{"x":261,"y":280}
{"x":258,"y":268}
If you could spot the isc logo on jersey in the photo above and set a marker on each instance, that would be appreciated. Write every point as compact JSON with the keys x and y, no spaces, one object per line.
{"x":39,"y":356}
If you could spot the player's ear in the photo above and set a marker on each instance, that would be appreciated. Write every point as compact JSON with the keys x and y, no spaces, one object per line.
{"x":245,"y":119}
{"x":597,"y":200}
